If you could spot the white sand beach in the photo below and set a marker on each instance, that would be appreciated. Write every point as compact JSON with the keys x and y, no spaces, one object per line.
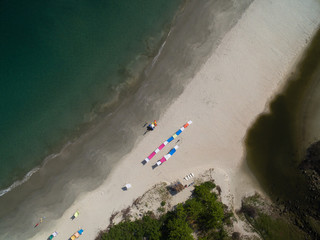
{"x":250,"y":65}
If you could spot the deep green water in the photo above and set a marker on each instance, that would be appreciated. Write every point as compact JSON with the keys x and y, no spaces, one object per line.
{"x":60,"y":61}
{"x":273,"y":144}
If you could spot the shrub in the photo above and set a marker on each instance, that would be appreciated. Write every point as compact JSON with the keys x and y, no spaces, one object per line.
{"x":213,"y":215}
{"x":209,"y":185}
{"x":151,"y":228}
{"x":248,"y":211}
{"x":203,"y":191}
{"x":161,"y":209}
{"x":235,"y":236}
{"x":203,"y":212}
{"x":194,"y":209}
{"x":179,"y":230}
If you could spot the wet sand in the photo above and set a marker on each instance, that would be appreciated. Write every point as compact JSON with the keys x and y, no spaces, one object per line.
{"x":277,"y":142}
{"x":86,"y":163}
{"x":219,"y":67}
{"x":249,"y":65}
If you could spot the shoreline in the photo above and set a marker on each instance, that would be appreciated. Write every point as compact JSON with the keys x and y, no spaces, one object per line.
{"x":131,"y":70}
{"x":127,"y":77}
{"x":222,"y":99}
{"x":203,"y":146}
{"x":87,"y":162}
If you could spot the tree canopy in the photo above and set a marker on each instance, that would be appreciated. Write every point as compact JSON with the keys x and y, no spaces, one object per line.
{"x":202,"y":212}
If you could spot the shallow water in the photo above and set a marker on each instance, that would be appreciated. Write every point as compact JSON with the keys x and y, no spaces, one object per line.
{"x":61,"y":61}
{"x":276,"y":143}
{"x":86,"y":162}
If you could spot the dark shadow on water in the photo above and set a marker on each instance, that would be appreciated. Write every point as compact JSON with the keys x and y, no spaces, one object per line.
{"x":272,"y":147}
{"x":271,"y":152}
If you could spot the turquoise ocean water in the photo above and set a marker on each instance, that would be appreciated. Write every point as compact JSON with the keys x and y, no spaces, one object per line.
{"x":60,"y":61}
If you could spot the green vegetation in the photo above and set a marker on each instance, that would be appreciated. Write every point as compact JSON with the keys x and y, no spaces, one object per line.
{"x":276,"y":228}
{"x":146,"y":227}
{"x":202,"y":214}
{"x":269,"y":224}
{"x":161,"y":209}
